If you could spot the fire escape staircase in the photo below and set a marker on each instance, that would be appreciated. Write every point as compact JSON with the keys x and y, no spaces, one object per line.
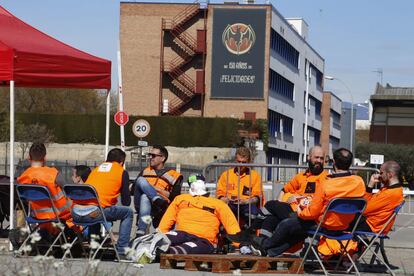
{"x":183,"y":84}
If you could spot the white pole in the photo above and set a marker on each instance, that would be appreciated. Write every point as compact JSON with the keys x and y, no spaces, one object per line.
{"x":120,"y":99}
{"x":108,"y":110}
{"x":305,"y":131}
{"x":11,"y":157}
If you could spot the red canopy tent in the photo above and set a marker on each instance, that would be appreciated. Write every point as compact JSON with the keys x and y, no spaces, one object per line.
{"x":31,"y":58}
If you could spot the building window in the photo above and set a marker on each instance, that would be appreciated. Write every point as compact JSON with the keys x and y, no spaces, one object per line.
{"x":336,"y":120}
{"x":284,"y":49}
{"x":280,"y":85}
{"x":279,"y":124}
{"x":334,"y":142}
{"x":318,"y":106}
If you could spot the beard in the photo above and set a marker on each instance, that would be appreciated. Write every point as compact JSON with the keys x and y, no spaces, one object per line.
{"x":316,"y":168}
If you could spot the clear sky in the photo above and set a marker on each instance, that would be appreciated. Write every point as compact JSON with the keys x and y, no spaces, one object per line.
{"x":355,"y":37}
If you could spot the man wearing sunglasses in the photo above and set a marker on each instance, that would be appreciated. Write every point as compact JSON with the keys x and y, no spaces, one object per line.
{"x":155,"y":187}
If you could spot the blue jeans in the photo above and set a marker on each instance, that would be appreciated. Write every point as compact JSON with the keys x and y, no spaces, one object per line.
{"x":113,"y":213}
{"x":144,"y":195}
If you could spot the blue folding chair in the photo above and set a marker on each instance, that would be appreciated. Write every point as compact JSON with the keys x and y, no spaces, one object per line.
{"x":28,"y":193}
{"x":343,"y":206}
{"x":372,"y":239}
{"x":85,"y":192}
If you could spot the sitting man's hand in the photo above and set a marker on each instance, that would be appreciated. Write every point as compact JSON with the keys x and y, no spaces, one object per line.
{"x":292,"y":199}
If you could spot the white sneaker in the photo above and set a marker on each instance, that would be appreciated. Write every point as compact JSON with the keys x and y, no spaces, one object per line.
{"x":245,"y":250}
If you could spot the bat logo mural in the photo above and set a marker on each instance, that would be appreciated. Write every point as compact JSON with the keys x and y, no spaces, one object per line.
{"x":238,"y":38}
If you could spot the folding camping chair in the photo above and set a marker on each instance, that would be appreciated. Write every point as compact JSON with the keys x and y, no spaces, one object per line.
{"x":344,"y":206}
{"x":33,"y":193}
{"x":85,"y":192}
{"x":372,"y":239}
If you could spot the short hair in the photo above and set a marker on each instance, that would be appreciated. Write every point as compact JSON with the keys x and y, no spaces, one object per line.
{"x":116,"y":155}
{"x":82,"y":171}
{"x":313,"y":148}
{"x":37,"y":152}
{"x":163,"y":150}
{"x":392,"y":166}
{"x":343,"y":158}
{"x":245,"y":153}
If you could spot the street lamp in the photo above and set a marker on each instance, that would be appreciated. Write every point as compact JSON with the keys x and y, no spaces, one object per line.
{"x":352,"y":108}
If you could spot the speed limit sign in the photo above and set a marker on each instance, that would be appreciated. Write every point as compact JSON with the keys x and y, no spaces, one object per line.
{"x":141,"y":128}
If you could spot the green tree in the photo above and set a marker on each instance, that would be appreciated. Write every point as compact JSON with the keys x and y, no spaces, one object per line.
{"x":403,"y":154}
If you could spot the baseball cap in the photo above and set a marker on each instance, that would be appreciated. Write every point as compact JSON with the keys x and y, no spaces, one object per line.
{"x":197,"y":185}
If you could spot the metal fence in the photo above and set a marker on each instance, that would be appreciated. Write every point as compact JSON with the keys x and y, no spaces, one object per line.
{"x":275,"y":176}
{"x":65,"y":167}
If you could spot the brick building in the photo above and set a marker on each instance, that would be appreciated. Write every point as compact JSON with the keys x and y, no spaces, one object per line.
{"x":393,"y":115}
{"x":224,"y":60}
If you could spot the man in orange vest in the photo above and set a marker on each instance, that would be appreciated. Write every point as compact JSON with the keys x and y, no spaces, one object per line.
{"x":49,"y":177}
{"x":197,"y":219}
{"x":241,"y":187}
{"x":291,"y":230}
{"x":156,"y":186}
{"x":110,"y":181}
{"x":300,"y":188}
{"x":381,"y":205}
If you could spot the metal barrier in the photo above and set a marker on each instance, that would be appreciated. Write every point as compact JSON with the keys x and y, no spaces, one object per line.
{"x":275,"y":176}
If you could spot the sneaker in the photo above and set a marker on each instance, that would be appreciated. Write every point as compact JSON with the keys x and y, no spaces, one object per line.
{"x":245,"y":250}
{"x":256,"y":246}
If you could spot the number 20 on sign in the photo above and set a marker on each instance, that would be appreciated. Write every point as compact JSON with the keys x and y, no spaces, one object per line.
{"x":141,"y":128}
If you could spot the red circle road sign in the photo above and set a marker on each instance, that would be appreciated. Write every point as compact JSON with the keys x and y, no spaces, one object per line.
{"x":121,"y":118}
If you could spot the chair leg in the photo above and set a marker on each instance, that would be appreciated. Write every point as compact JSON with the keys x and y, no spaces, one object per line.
{"x":353,"y":264}
{"x":374,"y":256}
{"x":70,"y":247}
{"x":315,"y":252}
{"x":53,"y":244}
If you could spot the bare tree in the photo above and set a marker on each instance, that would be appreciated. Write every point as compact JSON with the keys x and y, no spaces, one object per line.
{"x":52,"y":100}
{"x":26,"y":134}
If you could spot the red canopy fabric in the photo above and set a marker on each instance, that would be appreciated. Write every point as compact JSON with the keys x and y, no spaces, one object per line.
{"x":34,"y":59}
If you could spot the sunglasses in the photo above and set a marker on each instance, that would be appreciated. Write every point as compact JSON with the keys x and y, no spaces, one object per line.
{"x":153,"y":155}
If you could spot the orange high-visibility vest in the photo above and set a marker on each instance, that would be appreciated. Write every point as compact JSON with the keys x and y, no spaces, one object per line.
{"x":232,"y":185}
{"x":107,"y":181}
{"x":343,"y":185}
{"x":165,"y":181}
{"x":302,"y":184}
{"x":46,"y":176}
{"x":380,"y":207}
{"x":200,"y":216}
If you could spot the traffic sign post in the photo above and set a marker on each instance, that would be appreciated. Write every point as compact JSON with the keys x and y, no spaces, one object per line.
{"x":141,"y":128}
{"x":121,"y":118}
{"x":376,"y":159}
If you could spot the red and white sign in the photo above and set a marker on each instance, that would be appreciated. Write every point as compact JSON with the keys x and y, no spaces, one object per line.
{"x":121,"y":118}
